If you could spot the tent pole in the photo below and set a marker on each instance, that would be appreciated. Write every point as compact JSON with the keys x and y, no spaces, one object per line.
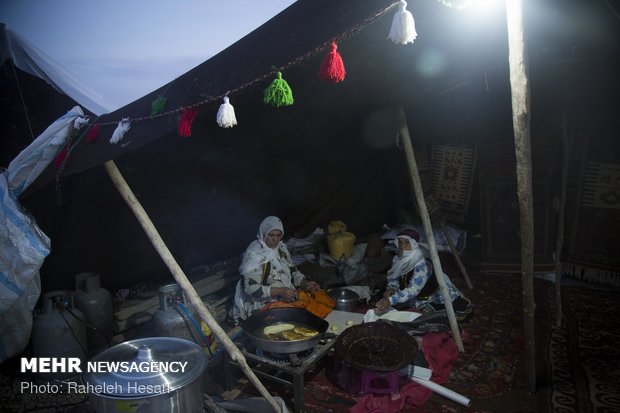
{"x":559,"y":238}
{"x":181,"y":278}
{"x":426,"y":221}
{"x":519,"y":86}
{"x":444,"y":229}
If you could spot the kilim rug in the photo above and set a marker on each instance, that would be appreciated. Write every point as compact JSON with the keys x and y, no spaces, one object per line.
{"x":452,"y":176}
{"x":592,"y":214}
{"x":499,"y":206}
{"x":584,"y":352}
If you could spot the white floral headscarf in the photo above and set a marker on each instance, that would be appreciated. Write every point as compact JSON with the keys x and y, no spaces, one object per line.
{"x":404,"y":261}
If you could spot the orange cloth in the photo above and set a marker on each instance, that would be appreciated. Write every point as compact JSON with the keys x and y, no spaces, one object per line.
{"x":318,"y":303}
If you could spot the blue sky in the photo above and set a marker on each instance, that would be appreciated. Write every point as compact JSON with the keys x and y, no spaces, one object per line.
{"x":124,"y":49}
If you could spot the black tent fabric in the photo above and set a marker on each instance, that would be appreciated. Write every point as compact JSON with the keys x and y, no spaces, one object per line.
{"x":331,"y":155}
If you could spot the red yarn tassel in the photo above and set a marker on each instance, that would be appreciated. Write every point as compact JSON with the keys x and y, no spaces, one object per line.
{"x":60,"y":157}
{"x":332,"y":67}
{"x":93,"y":133}
{"x":185,"y":126}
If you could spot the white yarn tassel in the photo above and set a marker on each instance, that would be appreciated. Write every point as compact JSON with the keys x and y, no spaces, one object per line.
{"x":403,"y":26}
{"x":79,"y":122}
{"x":120,"y":131}
{"x":226,"y":114}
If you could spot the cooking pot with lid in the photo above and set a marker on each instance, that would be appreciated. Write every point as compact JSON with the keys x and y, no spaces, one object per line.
{"x":346,"y":300}
{"x":148,"y":375}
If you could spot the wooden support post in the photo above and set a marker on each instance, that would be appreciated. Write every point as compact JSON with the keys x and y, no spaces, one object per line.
{"x":519,"y":86}
{"x":428,"y":229}
{"x":182,"y":280}
{"x":444,"y":229}
{"x":559,"y":236}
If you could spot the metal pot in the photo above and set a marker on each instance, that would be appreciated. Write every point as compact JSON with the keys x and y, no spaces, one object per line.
{"x":254,"y":325}
{"x":346,"y":300}
{"x":179,"y":390}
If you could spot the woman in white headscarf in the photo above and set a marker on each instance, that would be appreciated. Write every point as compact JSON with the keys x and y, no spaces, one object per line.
{"x":411,"y":282}
{"x":268,"y":272}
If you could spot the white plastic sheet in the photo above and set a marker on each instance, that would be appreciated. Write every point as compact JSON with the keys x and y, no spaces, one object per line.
{"x":33,"y":61}
{"x":23,"y":246}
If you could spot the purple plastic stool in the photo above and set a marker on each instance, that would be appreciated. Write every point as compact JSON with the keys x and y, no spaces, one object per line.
{"x":389,"y":379}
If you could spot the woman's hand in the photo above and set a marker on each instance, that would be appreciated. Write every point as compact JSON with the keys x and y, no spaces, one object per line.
{"x":389,"y":292}
{"x":286,"y":294}
{"x":310,"y":286}
{"x":383,"y":304}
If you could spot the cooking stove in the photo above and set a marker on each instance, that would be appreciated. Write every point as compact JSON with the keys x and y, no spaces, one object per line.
{"x":293,"y":359}
{"x":276,"y":367}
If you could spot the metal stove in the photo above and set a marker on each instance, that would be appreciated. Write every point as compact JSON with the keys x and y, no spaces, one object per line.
{"x":292,"y":359}
{"x":285,"y":368}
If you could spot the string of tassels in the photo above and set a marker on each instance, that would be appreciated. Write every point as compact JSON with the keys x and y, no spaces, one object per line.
{"x":278,"y":93}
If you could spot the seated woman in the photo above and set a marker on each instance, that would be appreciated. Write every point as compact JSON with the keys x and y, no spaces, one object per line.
{"x":411,"y":282}
{"x":268,"y":272}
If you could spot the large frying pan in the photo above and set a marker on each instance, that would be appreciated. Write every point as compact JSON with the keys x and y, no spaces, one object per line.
{"x":254,"y":325}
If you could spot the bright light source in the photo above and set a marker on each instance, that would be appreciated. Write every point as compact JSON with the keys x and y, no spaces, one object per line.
{"x":467,"y":4}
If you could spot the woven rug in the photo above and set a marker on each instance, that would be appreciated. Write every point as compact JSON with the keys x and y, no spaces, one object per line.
{"x":584,"y":352}
{"x":499,"y":206}
{"x":592,"y":215}
{"x":452,"y":176}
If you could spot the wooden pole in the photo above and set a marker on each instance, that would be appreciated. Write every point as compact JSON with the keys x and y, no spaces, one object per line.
{"x":182,"y":280}
{"x":428,"y":229}
{"x":519,"y":86}
{"x":559,"y":238}
{"x":446,"y":233}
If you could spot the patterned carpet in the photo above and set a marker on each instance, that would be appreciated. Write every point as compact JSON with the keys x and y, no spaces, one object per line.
{"x":584,"y":352}
{"x":493,"y":341}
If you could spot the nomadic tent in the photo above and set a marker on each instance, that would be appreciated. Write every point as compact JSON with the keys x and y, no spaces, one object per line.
{"x":332,"y":154}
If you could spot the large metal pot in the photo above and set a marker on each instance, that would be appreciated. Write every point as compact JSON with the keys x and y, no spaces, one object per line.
{"x":346,"y":300}
{"x":179,"y":390}
{"x":254,"y":325}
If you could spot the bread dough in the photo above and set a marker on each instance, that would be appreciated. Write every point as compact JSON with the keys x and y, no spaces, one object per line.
{"x":277,"y":328}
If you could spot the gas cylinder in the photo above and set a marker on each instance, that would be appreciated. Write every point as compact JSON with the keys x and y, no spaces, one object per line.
{"x":96,"y":305}
{"x":171,"y":320}
{"x":58,"y":331}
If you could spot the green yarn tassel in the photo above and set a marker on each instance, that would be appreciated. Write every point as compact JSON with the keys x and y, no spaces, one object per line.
{"x":278,"y":93}
{"x":157,"y":106}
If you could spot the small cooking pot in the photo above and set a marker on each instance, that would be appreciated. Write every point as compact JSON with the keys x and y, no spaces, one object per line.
{"x":143,"y":385}
{"x":346,"y":300}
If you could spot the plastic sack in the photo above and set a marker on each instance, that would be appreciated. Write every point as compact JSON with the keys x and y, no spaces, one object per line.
{"x":23,"y":246}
